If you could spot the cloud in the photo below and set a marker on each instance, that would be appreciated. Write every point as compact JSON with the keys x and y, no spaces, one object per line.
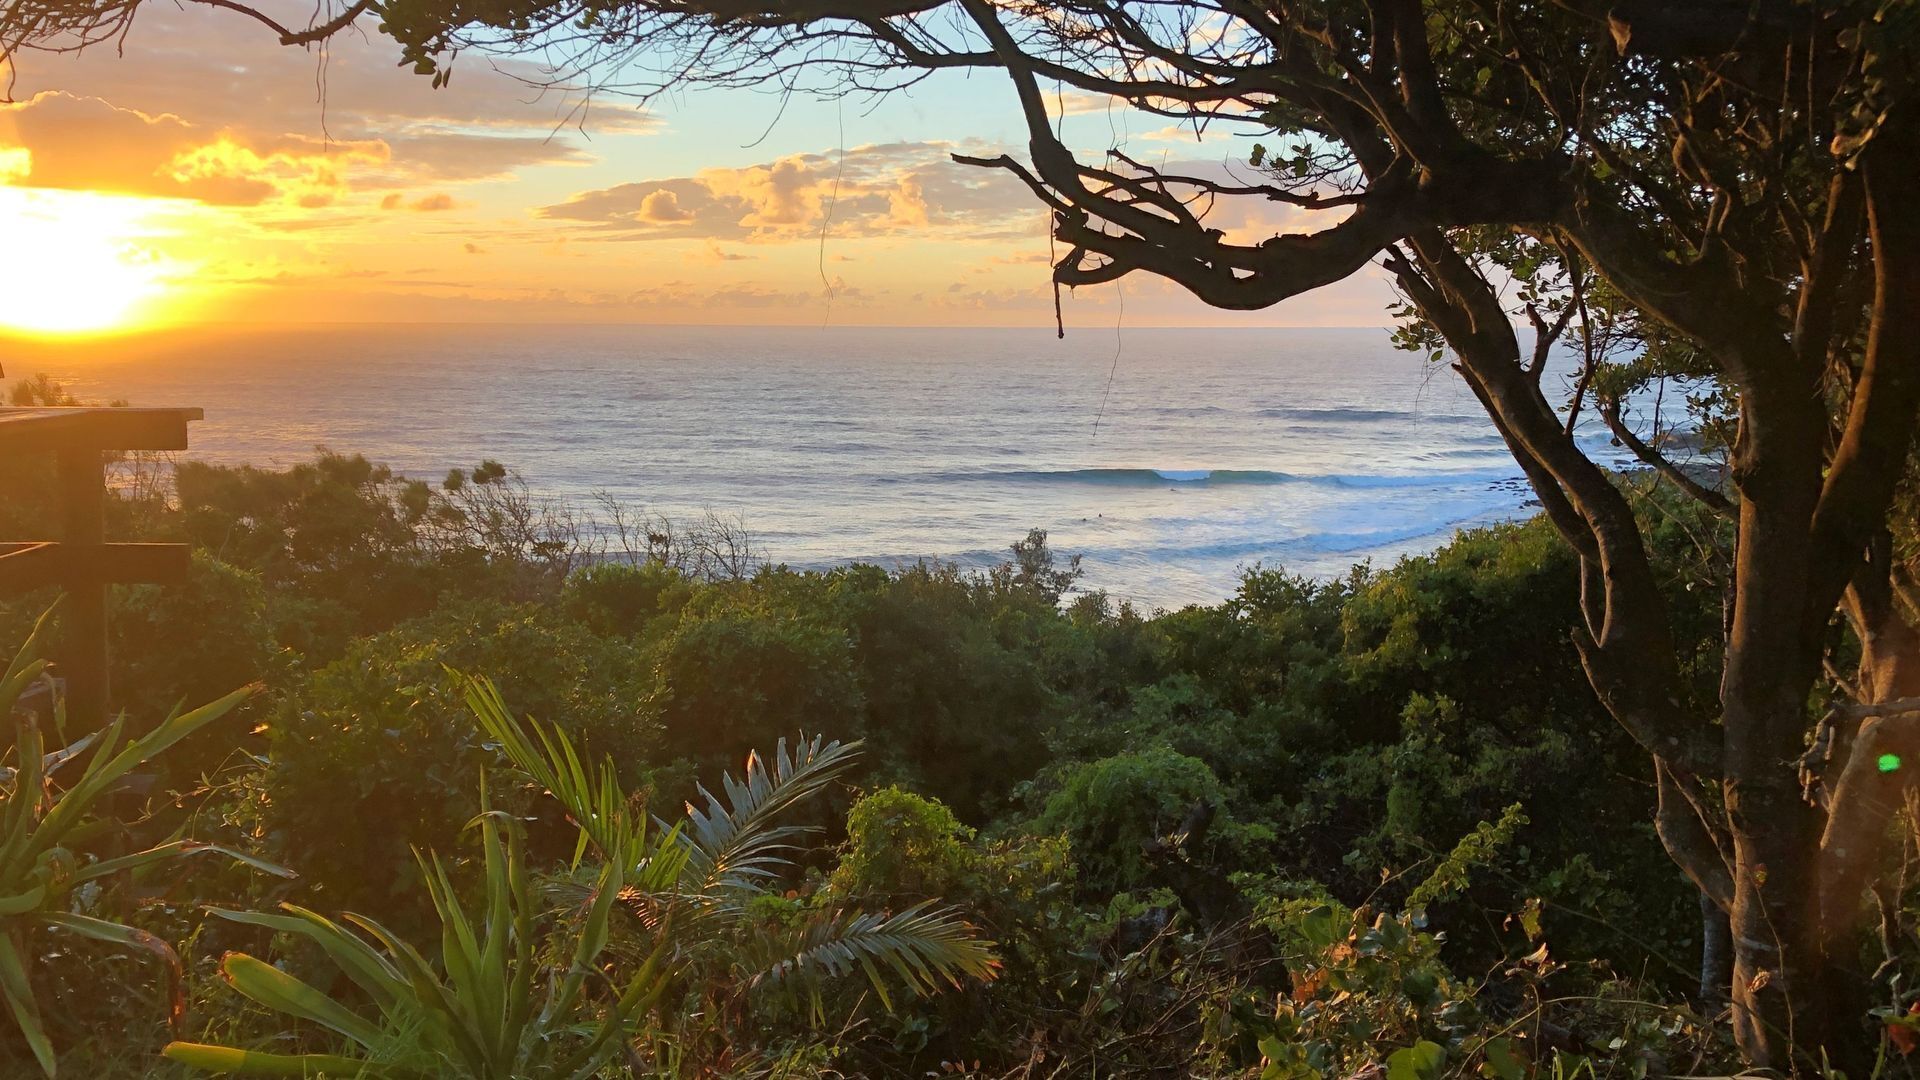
{"x":715,"y":253}
{"x":429,"y":155}
{"x":1184,"y":133}
{"x":662,"y":207}
{"x":197,"y":104}
{"x":877,"y":190}
{"x":201,"y":107}
{"x":201,"y":64}
{"x":753,"y":297}
{"x":1080,"y":103}
{"x":882,"y":190}
{"x":958,"y":296}
{"x":425,"y":204}
{"x":85,"y":143}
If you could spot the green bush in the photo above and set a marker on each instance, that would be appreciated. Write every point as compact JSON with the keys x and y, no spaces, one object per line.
{"x":376,"y":757}
{"x":903,"y":849}
{"x":617,"y":599}
{"x":900,"y":845}
{"x":187,"y":641}
{"x":955,"y":679}
{"x":732,"y":674}
{"x":59,"y":883}
{"x":1111,"y":810}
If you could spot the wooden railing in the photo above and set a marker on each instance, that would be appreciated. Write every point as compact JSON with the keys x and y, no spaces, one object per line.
{"x":81,"y":561}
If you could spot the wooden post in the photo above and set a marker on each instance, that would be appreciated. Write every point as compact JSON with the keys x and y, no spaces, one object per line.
{"x":83,"y":508}
{"x":81,"y":561}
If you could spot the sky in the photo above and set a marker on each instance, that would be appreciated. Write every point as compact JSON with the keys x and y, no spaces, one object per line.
{"x":204,"y":173}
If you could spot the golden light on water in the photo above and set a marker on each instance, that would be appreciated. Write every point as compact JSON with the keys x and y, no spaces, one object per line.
{"x":79,"y":263}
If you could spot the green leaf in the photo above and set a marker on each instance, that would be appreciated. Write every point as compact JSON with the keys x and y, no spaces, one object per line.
{"x":227,"y":1059}
{"x":924,"y":946}
{"x":21,"y":903}
{"x":1421,"y":1061}
{"x":131,"y":937}
{"x":103,"y":770}
{"x":361,"y":961}
{"x":175,"y":850}
{"x":278,"y":990}
{"x":24,"y":1006}
{"x":1502,"y":1063}
{"x":1320,"y":927}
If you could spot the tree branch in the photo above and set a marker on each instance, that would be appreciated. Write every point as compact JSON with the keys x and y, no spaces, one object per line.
{"x":1695,"y":846}
{"x":1660,"y":463}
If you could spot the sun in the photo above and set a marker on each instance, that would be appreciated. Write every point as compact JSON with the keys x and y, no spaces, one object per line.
{"x":77,"y":263}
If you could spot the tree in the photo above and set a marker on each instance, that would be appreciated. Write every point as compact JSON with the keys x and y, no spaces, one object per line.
{"x":1035,"y":569}
{"x":1730,"y":170}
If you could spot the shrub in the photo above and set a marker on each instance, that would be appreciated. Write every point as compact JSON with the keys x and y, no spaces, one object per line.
{"x":192,"y":642}
{"x":1111,"y":811}
{"x":50,"y":880}
{"x":378,"y":758}
{"x":955,"y":680}
{"x":900,"y":845}
{"x":730,"y":675}
{"x":616,"y":599}
{"x":654,"y":924}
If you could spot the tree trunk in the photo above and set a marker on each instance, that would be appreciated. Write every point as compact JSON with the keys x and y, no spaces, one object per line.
{"x":1874,"y":760}
{"x":1716,"y":955}
{"x":1772,"y":660}
{"x":1777,"y":963}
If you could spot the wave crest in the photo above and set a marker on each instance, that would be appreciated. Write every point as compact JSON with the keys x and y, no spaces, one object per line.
{"x":1121,"y":477}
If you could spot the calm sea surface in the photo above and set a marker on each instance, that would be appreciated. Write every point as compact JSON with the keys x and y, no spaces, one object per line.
{"x":1193,"y":454}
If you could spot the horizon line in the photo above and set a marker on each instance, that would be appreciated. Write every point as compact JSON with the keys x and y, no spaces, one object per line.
{"x":9,"y":334}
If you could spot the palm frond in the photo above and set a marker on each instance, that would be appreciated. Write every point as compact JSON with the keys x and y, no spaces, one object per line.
{"x":687,"y":885}
{"x":731,"y":840}
{"x":922,"y":948}
{"x":738,"y":843}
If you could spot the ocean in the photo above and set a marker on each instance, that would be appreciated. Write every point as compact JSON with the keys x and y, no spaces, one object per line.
{"x":1170,"y":459}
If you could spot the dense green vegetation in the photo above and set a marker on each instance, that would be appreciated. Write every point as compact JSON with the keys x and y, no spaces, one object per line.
{"x":1710,"y":197}
{"x":1320,"y":825}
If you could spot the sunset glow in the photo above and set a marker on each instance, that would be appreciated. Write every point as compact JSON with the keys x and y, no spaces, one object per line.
{"x":80,"y":263}
{"x":150,"y":192}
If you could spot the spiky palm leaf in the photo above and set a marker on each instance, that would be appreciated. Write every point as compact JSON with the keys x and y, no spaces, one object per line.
{"x":741,"y":842}
{"x":593,"y":799}
{"x":474,"y":1013}
{"x":729,"y":849}
{"x":924,"y":947}
{"x":729,"y":845}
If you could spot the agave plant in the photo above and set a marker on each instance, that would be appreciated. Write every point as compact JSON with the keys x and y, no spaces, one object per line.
{"x":41,"y":822}
{"x":495,"y":1007}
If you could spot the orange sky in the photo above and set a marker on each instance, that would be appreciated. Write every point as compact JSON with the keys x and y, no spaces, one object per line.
{"x":208,"y":174}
